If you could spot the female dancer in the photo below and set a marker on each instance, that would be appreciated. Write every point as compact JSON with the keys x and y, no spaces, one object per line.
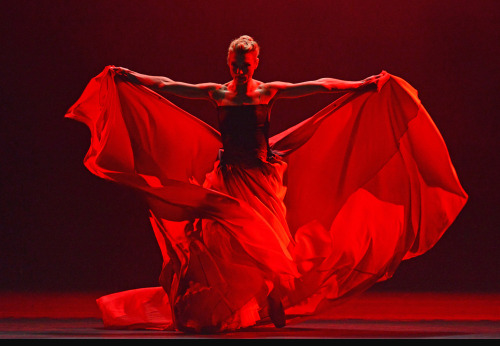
{"x":243,"y":241}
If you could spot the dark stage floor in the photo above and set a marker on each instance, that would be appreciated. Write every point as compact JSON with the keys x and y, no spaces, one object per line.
{"x":371,"y":315}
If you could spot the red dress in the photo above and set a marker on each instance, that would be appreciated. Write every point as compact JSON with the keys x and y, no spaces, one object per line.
{"x":319,"y":212}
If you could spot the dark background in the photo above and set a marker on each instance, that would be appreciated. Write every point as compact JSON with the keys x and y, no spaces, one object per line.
{"x":64,"y":229}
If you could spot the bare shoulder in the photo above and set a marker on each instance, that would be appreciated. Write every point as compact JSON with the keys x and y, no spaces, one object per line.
{"x":219,"y":91}
{"x":270,"y":89}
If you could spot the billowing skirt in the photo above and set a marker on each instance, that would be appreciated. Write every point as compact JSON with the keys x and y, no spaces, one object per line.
{"x":350,"y":192}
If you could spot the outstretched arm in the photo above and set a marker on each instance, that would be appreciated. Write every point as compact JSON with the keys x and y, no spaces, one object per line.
{"x":323,"y":85}
{"x":166,"y":85}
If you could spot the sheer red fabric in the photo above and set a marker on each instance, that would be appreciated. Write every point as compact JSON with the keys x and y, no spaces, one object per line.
{"x":355,"y":189}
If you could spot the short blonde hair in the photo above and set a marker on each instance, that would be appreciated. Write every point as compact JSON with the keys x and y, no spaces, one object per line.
{"x":243,"y":44}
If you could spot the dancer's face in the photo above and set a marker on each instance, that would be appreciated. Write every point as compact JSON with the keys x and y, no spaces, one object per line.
{"x":242,"y":66}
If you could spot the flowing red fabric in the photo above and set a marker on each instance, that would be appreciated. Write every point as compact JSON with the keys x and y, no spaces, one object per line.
{"x":355,"y":189}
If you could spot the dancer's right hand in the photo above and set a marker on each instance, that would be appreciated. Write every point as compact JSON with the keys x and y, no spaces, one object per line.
{"x":122,"y":71}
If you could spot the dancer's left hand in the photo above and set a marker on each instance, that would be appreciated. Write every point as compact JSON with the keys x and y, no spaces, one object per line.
{"x":373,"y":81}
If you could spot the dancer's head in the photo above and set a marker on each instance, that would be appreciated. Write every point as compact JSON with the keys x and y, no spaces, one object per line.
{"x":243,"y":58}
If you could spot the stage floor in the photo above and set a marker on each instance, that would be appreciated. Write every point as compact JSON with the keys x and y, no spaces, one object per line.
{"x":371,"y":315}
